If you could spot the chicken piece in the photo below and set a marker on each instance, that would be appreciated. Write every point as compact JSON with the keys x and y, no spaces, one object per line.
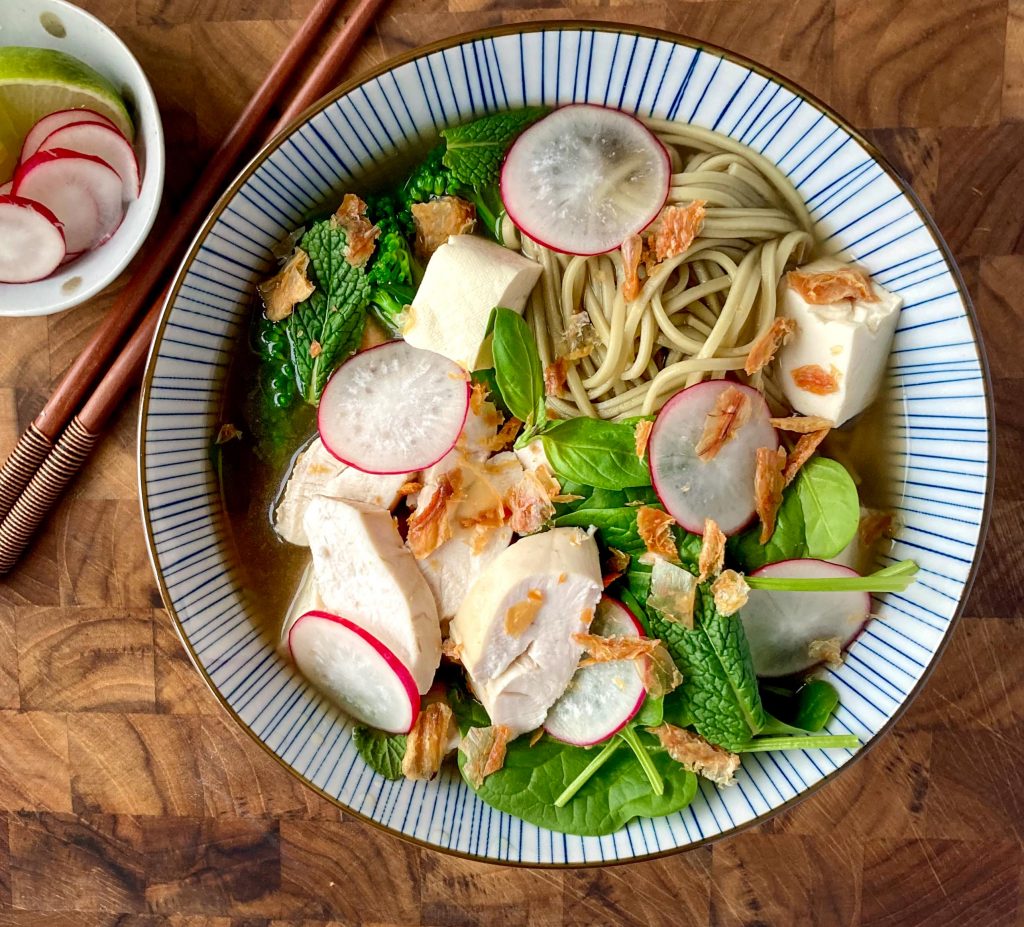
{"x":317,"y":472}
{"x":365,"y":573}
{"x":306,"y":599}
{"x":519,"y":676}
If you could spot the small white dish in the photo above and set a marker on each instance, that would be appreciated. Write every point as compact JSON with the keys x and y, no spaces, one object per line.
{"x":60,"y":25}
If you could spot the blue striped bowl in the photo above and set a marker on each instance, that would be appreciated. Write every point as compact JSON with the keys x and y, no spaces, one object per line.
{"x":937,"y":390}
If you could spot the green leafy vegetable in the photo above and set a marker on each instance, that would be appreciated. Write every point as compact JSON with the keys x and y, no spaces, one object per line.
{"x":326,"y":328}
{"x":806,"y":710}
{"x":392,"y":271}
{"x":651,"y":713}
{"x":632,"y":739}
{"x":595,"y":452}
{"x":719,"y":686}
{"x":534,"y":778}
{"x":517,"y":368}
{"x":830,"y":506}
{"x":474,"y":151}
{"x":818,"y":517}
{"x":383,"y":752}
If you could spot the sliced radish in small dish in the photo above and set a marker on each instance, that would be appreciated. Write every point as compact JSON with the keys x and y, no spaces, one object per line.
{"x":82,"y":191}
{"x":781,"y":626}
{"x":31,"y":240}
{"x":52,"y":122}
{"x":393,"y":409}
{"x":6,"y":188}
{"x":721,"y":488}
{"x":602,"y":698}
{"x":585,"y":178}
{"x":355,"y":670}
{"x":102,"y":142}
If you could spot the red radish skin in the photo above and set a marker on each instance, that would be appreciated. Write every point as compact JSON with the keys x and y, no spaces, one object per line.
{"x":348,"y":637}
{"x":517,"y":190}
{"x":83,"y":191}
{"x":780,"y":626}
{"x":102,"y":142}
{"x":722,"y":489}
{"x":49,"y":124}
{"x":6,"y":188}
{"x":572,"y":718}
{"x":369,"y":419}
{"x":32,"y":244}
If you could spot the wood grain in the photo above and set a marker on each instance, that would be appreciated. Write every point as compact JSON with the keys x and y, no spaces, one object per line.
{"x":127,"y":798}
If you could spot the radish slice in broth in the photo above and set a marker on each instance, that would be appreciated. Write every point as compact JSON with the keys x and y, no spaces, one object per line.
{"x":355,"y":670}
{"x":585,"y":178}
{"x":721,"y":488}
{"x":393,"y":409}
{"x":781,"y":626}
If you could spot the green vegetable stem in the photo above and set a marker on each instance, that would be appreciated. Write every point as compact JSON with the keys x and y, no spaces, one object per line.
{"x":895,"y":578}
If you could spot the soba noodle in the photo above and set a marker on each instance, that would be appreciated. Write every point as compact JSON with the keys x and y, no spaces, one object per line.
{"x":699,"y":313}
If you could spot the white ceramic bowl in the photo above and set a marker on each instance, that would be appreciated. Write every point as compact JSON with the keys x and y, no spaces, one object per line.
{"x":936,"y":386}
{"x":39,"y":24}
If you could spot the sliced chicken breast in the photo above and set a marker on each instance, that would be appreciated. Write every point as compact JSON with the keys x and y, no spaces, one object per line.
{"x":318,"y":473}
{"x":306,"y":599}
{"x":515,"y":627}
{"x":365,"y":573}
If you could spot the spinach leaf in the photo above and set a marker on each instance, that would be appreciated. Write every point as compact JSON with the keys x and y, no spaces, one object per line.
{"x":517,"y":368}
{"x":651,"y":713}
{"x":326,"y":328}
{"x":786,"y":543}
{"x":474,"y":151}
{"x":719,"y":687}
{"x":676,"y":710}
{"x":806,"y":710}
{"x":534,"y":777}
{"x":596,"y":452}
{"x":383,"y":752}
{"x":830,"y":506}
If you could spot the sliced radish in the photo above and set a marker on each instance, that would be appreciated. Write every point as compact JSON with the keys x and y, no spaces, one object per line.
{"x":6,"y":188}
{"x":393,"y":409}
{"x":102,"y":142}
{"x":602,"y":698}
{"x":83,"y":191}
{"x":585,"y":178}
{"x":31,"y":240}
{"x":58,"y":120}
{"x":781,"y":626}
{"x":355,"y":670}
{"x":721,"y":488}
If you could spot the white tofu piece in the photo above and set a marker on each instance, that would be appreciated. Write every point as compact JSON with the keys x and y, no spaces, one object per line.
{"x":454,"y":566}
{"x":366,"y":574}
{"x":851,"y":339}
{"x":465,"y":279}
{"x":517,"y":671}
{"x":317,"y":472}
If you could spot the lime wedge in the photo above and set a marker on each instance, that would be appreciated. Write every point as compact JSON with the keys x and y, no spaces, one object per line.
{"x":37,"y":81}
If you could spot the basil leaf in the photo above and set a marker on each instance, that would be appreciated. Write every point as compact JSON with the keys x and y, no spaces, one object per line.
{"x":383,"y":752}
{"x":533,"y":777}
{"x":517,"y":367}
{"x":830,"y":506}
{"x":719,"y":686}
{"x":595,"y":452}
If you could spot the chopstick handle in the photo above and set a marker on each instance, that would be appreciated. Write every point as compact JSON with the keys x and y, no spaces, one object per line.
{"x":44,"y":490}
{"x":27,"y":457}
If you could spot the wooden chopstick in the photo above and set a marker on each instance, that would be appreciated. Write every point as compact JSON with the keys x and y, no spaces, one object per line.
{"x":58,"y":467}
{"x":158,"y":258}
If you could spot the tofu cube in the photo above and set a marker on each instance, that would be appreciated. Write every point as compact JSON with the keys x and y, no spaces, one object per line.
{"x":849,"y":341}
{"x":465,"y":279}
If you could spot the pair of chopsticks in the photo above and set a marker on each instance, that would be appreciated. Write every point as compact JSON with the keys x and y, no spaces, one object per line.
{"x":58,"y":442}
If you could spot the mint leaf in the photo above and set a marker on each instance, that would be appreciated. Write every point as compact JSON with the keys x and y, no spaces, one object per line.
{"x":719,"y":687}
{"x":326,"y":328}
{"x":474,"y":151}
{"x":383,"y":752}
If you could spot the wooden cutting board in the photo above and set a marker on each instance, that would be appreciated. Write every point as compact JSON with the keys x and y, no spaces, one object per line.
{"x":128,"y":798}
